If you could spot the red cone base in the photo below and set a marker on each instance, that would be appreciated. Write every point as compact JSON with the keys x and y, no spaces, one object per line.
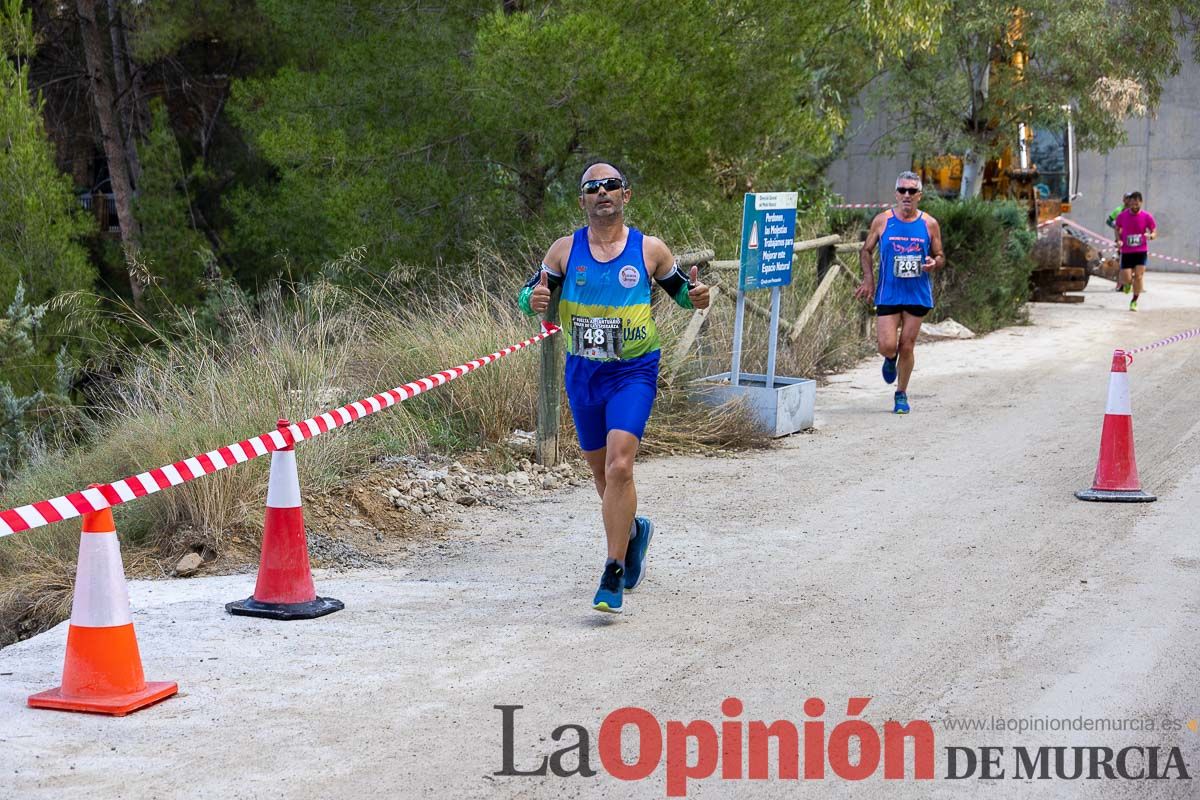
{"x":317,"y":607}
{"x":285,"y":586}
{"x":117,"y":706}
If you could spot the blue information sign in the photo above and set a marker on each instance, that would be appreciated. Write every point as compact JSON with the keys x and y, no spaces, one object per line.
{"x":768,"y":234}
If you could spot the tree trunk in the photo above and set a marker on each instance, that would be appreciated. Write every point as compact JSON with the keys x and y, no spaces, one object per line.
{"x":975,"y":158}
{"x":972,"y":174}
{"x":531,"y":179}
{"x":126,"y":98}
{"x":114,"y":146}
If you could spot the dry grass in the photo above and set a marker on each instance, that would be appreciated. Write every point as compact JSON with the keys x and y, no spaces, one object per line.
{"x":298,"y":355}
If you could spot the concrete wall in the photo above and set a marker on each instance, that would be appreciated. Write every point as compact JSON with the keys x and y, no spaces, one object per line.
{"x":863,"y":176}
{"x":1161,"y":160}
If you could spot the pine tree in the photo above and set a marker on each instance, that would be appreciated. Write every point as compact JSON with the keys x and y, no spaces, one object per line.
{"x":40,"y":256}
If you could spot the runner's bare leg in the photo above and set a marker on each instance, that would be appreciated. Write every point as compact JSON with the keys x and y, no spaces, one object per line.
{"x":909,"y":328}
{"x":886,"y":334}
{"x":612,"y":472}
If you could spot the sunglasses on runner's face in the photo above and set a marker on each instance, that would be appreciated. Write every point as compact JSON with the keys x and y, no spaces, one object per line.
{"x":607,"y":184}
{"x":907,"y":190}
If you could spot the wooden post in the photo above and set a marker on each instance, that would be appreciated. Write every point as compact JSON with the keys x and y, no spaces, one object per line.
{"x":819,"y":242}
{"x":824,"y":260}
{"x":814,"y":303}
{"x":699,"y":258}
{"x":679,"y":356}
{"x":550,"y":390}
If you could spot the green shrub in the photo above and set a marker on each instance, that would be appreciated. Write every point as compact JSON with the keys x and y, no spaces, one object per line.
{"x":985,"y":284}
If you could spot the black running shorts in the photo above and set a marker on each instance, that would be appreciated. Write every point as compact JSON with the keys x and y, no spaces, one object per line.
{"x":1131,"y":260}
{"x":916,"y":311}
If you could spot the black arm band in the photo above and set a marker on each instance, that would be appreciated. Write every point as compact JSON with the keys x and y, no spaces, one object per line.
{"x":674,"y":281}
{"x":552,"y":280}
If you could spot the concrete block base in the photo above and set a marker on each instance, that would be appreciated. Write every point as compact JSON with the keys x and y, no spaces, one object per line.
{"x":786,"y":408}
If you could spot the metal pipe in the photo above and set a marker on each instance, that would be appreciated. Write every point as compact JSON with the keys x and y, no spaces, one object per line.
{"x":771,"y":343}
{"x":739,"y":318}
{"x":1072,"y":159}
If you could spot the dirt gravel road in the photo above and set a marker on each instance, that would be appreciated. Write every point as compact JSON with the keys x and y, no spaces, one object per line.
{"x":935,"y":563}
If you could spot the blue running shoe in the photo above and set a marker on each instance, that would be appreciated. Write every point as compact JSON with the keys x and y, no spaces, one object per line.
{"x":612,"y":589}
{"x":889,"y":370}
{"x":635,"y":555}
{"x":901,"y":403}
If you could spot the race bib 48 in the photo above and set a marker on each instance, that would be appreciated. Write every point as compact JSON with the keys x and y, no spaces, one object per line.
{"x":596,"y":337}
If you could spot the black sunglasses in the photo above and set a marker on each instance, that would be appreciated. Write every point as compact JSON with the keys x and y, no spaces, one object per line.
{"x":907,"y":190}
{"x":607,"y":184}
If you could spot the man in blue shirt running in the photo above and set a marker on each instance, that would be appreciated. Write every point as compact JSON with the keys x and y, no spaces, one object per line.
{"x":910,"y":248}
{"x":605,"y":270}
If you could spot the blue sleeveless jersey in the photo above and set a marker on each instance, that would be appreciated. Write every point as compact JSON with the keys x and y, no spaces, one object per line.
{"x":617,"y":291}
{"x":903,"y":248}
{"x":605,"y":313}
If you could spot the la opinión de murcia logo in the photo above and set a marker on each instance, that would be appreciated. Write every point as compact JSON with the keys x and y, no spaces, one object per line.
{"x":737,"y":749}
{"x":738,"y":744}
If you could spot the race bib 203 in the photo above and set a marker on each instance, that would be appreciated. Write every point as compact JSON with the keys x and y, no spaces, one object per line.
{"x":907,"y":265}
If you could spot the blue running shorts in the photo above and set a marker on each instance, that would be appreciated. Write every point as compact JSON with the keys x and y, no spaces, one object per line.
{"x":611,"y":395}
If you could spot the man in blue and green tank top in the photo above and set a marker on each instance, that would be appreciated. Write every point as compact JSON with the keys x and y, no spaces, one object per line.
{"x":910,"y":248}
{"x":604,"y":271}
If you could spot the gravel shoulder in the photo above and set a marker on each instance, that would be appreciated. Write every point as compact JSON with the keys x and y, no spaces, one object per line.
{"x":936,"y":563}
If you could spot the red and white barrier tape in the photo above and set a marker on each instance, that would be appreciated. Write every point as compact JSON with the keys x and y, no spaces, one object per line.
{"x":862,"y":205}
{"x":1179,"y":337}
{"x":1111,"y":246}
{"x":1175,"y":260}
{"x":96,"y":498}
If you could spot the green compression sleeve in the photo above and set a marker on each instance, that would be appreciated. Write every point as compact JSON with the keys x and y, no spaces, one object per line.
{"x":523,"y":301}
{"x":681,"y":297}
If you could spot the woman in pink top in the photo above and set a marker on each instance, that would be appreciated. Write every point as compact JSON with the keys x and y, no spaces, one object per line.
{"x":1135,"y":229}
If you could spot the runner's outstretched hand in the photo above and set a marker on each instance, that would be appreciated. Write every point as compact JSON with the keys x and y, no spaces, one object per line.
{"x":539,"y":301}
{"x":930,"y":264}
{"x":697,"y":291}
{"x":864,"y":291}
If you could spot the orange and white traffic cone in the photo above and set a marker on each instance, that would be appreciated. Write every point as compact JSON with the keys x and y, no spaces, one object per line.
{"x":285,"y":586}
{"x":1116,"y":478}
{"x":102,"y":671}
